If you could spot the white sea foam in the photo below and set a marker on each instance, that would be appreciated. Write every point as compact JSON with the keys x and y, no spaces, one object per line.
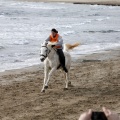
{"x":118,"y":30}
{"x":111,"y":7}
{"x":41,"y":6}
{"x":21,"y":42}
{"x":65,"y":26}
{"x":1,"y":46}
{"x":19,"y":64}
{"x":101,"y":19}
{"x":1,"y":16}
{"x":94,"y":48}
{"x":107,"y":18}
{"x":62,"y":3}
{"x":82,"y":23}
{"x":68,"y":32}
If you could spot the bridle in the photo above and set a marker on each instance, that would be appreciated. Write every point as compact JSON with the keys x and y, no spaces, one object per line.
{"x":47,"y":52}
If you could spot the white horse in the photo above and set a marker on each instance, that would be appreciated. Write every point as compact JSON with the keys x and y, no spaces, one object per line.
{"x":51,"y":60}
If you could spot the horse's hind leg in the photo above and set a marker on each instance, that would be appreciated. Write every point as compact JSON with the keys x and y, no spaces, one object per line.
{"x":67,"y":80}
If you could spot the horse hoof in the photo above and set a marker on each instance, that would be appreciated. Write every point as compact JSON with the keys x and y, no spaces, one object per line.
{"x":42,"y":91}
{"x":65,"y":89}
{"x":69,"y":83}
{"x":46,"y":87}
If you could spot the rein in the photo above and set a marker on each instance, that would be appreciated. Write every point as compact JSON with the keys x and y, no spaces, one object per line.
{"x":47,"y":53}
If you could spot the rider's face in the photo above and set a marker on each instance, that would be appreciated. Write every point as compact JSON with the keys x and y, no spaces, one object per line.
{"x":53,"y":34}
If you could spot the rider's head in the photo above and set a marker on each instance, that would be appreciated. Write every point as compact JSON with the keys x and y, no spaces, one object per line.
{"x":54,"y":32}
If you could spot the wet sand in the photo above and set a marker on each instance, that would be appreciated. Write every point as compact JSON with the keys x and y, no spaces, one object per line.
{"x":99,"y":2}
{"x":95,"y":83}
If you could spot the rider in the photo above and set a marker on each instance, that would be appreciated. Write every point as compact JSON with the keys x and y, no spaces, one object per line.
{"x":55,"y":37}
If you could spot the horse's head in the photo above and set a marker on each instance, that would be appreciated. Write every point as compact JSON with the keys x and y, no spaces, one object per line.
{"x":45,"y":50}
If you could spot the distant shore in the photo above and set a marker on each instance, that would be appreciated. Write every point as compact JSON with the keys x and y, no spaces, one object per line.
{"x":98,"y":2}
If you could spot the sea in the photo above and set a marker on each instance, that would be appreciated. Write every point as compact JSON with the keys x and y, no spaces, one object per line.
{"x":25,"y":25}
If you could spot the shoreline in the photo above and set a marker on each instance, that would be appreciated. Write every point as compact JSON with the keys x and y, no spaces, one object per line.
{"x":92,"y":2}
{"x":106,"y":55}
{"x":112,"y":53}
{"x":102,"y":55}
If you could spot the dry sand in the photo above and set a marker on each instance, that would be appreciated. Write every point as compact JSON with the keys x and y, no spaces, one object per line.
{"x":99,"y":2}
{"x":95,"y":83}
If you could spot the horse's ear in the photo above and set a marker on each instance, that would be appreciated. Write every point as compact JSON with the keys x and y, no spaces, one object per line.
{"x":43,"y":44}
{"x":46,"y":43}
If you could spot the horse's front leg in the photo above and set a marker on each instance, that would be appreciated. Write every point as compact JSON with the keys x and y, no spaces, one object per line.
{"x":45,"y":78}
{"x":49,"y":75}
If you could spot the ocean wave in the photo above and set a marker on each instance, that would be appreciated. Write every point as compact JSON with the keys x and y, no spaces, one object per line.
{"x":94,"y":48}
{"x":46,"y":8}
{"x":61,"y":3}
{"x":96,"y":14}
{"x":78,"y":24}
{"x":65,"y":26}
{"x":98,"y":7}
{"x":88,"y":21}
{"x":17,"y":61}
{"x":43,"y":6}
{"x":82,"y":23}
{"x":101,"y":19}
{"x":2,"y":15}
{"x":22,"y":55}
{"x":103,"y":31}
{"x":94,"y":5}
{"x":2,"y":56}
{"x":112,"y":7}
{"x":35,"y":5}
{"x":1,"y":46}
{"x":17,"y":64}
{"x":68,"y":32}
{"x":21,"y":42}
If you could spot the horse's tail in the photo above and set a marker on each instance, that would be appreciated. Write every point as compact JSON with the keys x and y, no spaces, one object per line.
{"x":68,"y":47}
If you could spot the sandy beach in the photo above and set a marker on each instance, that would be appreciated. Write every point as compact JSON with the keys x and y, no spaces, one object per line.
{"x":99,"y":2}
{"x":95,"y":83}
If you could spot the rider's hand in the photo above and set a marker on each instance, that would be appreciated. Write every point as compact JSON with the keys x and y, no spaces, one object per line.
{"x":110,"y":115}
{"x":53,"y":46}
{"x":86,"y":115}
